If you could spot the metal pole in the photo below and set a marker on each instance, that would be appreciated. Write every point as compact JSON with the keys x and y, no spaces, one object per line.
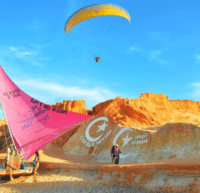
{"x":11,"y":135}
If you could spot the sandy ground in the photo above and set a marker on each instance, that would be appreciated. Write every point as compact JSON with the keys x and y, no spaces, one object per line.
{"x":66,"y":181}
{"x":63,"y":180}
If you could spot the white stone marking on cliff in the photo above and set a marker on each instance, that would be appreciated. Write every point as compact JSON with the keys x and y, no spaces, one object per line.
{"x":90,"y":141}
{"x":102,"y":127}
{"x":118,"y":135}
{"x":126,"y":140}
{"x":141,"y":136}
{"x":87,"y":131}
{"x":138,"y":140}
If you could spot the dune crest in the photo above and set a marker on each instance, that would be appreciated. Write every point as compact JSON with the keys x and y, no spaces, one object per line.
{"x":148,"y":109}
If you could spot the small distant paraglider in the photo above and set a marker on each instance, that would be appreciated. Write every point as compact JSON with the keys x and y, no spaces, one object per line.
{"x":97,"y":59}
{"x":92,"y":11}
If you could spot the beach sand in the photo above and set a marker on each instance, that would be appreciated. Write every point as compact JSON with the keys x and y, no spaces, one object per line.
{"x":59,"y":172}
{"x":66,"y":181}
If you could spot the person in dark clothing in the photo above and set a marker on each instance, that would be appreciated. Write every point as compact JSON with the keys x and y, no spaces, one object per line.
{"x":118,"y":152}
{"x":113,"y":154}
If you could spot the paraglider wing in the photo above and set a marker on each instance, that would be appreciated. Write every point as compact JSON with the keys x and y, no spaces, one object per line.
{"x":95,"y":11}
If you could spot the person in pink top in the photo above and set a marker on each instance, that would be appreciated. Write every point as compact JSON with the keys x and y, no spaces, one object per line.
{"x":117,"y":150}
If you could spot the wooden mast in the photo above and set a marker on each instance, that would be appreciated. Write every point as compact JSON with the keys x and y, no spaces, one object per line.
{"x":11,"y":135}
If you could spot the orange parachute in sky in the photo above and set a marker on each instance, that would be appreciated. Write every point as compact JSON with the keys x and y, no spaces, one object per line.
{"x":95,"y":11}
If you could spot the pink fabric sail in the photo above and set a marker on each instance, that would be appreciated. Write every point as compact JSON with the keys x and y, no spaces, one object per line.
{"x":33,"y":123}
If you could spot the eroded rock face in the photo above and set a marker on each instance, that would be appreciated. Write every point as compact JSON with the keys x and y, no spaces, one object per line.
{"x":170,"y":141}
{"x":152,"y":109}
{"x":148,"y":110}
{"x":77,"y":106}
{"x":149,"y":128}
{"x":2,"y":124}
{"x":97,"y":108}
{"x":4,"y":136}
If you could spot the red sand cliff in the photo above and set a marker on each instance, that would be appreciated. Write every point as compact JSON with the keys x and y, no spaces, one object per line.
{"x":148,"y":109}
{"x":153,"y":109}
{"x":2,"y":123}
{"x":155,"y":115}
{"x":75,"y":106}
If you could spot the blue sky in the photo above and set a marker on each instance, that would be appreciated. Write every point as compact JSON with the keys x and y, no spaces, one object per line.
{"x":157,"y":52}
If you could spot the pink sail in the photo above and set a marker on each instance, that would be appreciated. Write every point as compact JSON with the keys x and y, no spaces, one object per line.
{"x":33,"y":123}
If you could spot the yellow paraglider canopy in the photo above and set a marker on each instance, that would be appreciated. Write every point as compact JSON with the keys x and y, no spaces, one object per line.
{"x":95,"y":11}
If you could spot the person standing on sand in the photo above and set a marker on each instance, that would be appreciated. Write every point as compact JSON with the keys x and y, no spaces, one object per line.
{"x":113,"y":155}
{"x":9,"y":154}
{"x":36,"y":163}
{"x":117,"y":152}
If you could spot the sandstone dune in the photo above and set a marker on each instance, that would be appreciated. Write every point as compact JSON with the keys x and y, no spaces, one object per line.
{"x":77,"y":106}
{"x":148,"y":109}
{"x":152,"y":126}
{"x":153,"y":109}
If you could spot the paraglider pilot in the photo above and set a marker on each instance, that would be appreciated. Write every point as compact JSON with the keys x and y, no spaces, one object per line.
{"x":97,"y":59}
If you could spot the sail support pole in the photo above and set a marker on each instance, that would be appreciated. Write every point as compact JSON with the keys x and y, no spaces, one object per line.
{"x":11,"y":135}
